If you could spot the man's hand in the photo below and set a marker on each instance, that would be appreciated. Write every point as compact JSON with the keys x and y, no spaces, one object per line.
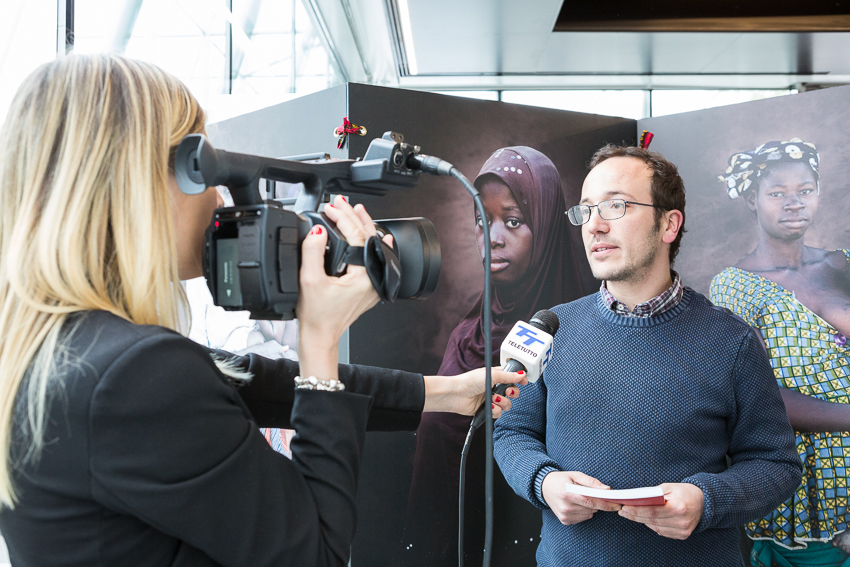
{"x":573,"y":508}
{"x":678,"y":518}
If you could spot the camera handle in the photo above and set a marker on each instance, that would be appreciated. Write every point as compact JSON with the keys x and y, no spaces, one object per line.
{"x":198,"y":165}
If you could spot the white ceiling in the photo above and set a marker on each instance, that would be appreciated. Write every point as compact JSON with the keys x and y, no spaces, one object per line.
{"x":510,"y":44}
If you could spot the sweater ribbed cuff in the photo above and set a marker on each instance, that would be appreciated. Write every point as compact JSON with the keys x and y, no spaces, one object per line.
{"x":708,"y":509}
{"x":538,"y":484}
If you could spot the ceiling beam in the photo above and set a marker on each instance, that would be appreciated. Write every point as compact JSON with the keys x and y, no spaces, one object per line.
{"x":616,"y":82}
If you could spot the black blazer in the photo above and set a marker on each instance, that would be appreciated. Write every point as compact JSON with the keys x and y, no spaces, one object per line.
{"x":152,"y":458}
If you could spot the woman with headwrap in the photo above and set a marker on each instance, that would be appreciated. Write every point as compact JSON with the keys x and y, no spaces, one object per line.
{"x":532,"y":267}
{"x":798,"y":297}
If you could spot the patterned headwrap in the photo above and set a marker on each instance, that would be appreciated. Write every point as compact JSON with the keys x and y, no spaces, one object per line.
{"x":745,"y":167}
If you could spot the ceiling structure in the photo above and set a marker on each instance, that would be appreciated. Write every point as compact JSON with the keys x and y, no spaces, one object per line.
{"x":560,"y":44}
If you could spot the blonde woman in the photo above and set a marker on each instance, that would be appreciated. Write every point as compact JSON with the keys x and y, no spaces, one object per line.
{"x":123,"y":442}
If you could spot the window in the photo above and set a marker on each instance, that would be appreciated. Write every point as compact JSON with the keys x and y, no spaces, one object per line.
{"x":628,"y":104}
{"x":234,"y":55}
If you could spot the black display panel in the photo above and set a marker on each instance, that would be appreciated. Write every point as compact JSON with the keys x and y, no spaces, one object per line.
{"x":227,"y":272}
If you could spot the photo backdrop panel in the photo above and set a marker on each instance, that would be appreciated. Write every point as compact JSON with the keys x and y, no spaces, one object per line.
{"x":412,"y":335}
{"x":721,"y":231}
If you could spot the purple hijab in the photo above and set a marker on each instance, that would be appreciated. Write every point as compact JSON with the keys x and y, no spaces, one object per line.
{"x":553,"y":276}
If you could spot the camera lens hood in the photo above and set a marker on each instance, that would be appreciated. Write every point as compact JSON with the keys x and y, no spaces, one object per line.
{"x":382,"y":266}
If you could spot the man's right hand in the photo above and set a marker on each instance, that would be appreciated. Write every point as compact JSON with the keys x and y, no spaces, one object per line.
{"x":573,"y":508}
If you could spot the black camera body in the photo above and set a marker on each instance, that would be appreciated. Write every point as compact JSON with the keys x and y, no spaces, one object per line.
{"x":252,"y":251}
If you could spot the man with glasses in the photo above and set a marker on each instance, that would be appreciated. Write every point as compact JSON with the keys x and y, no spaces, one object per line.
{"x":649,"y":384}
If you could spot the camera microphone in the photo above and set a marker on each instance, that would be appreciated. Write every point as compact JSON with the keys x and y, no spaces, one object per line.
{"x":527,"y":347}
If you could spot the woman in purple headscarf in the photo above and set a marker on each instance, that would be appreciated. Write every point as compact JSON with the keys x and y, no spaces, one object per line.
{"x":532,"y":267}
{"x":532,"y":264}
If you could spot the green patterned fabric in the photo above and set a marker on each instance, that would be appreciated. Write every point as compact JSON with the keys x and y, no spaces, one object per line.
{"x":816,"y":554}
{"x":812,"y":357}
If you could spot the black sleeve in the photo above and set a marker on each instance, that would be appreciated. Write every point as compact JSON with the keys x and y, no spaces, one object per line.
{"x":397,"y":397}
{"x":173,"y":445}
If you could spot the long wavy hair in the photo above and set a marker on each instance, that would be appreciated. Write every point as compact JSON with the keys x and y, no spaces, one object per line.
{"x":85,"y":221}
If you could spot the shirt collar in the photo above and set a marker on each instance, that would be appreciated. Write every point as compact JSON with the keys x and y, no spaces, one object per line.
{"x":655,"y":306}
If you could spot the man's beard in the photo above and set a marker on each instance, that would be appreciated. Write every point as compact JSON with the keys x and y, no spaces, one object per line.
{"x":636,"y":269}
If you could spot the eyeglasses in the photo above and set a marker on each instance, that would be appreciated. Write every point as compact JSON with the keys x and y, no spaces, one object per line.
{"x":612,"y":209}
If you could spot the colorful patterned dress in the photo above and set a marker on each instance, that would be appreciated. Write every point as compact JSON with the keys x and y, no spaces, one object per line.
{"x":812,"y":357}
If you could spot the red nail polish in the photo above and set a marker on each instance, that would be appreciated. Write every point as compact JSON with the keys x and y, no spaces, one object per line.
{"x":331,"y":205}
{"x":512,"y":392}
{"x":344,"y":198}
{"x":520,"y":372}
{"x":493,"y":406}
{"x":498,"y":399}
{"x":316,"y":229}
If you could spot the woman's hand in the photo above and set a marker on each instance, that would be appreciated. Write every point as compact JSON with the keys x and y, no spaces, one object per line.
{"x":464,"y":394}
{"x":327,"y":306}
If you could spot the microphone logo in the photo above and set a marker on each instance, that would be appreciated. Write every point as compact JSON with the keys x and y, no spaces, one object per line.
{"x":546,"y":359}
{"x":531,"y":336}
{"x":529,"y":346}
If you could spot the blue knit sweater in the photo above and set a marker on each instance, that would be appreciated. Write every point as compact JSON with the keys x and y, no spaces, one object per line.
{"x":639,"y":402}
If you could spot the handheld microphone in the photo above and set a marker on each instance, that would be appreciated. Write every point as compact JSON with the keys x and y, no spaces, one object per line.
{"x":527,"y":347}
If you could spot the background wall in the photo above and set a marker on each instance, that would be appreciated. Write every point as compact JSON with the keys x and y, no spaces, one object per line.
{"x":301,"y":126}
{"x":721,"y":230}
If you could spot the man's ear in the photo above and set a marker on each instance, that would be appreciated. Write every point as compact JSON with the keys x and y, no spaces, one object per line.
{"x":671,"y":223}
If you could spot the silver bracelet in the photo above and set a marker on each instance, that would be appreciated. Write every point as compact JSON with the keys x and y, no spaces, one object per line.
{"x":313,"y":383}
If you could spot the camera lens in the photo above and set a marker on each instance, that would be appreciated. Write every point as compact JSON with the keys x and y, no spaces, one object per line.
{"x":418,"y":253}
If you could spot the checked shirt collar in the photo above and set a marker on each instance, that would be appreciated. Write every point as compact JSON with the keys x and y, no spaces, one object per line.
{"x":655,"y":306}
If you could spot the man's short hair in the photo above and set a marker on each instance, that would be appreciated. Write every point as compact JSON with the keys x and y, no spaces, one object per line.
{"x":667,"y":189}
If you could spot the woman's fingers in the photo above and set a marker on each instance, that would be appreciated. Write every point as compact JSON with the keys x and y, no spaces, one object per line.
{"x":368,"y":223}
{"x":500,"y":376}
{"x":349,"y":223}
{"x":501,"y":402}
{"x":313,"y":255}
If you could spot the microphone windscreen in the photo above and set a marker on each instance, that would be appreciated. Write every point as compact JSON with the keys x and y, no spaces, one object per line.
{"x":546,"y":321}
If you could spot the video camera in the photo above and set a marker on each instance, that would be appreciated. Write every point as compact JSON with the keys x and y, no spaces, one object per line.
{"x":252,"y":251}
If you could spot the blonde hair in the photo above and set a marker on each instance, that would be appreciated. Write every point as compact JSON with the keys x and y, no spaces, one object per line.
{"x":85,"y":220}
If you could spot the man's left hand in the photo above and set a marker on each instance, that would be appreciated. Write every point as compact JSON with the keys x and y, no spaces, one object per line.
{"x":679,"y":516}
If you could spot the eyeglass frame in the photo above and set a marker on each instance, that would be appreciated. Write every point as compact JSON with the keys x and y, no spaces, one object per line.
{"x":590,"y":208}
